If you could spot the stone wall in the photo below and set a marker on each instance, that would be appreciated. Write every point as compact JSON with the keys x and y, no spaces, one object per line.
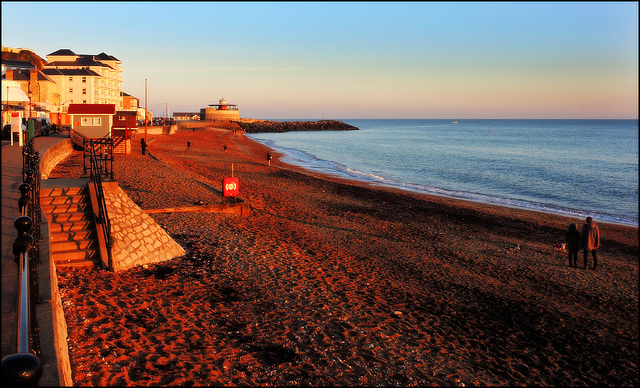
{"x":54,"y":155}
{"x":158,"y":130}
{"x":137,"y":238}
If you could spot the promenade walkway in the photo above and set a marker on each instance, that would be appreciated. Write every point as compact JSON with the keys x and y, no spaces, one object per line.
{"x":11,"y":180}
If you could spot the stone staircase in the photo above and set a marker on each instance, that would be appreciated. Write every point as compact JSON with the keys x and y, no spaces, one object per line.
{"x":71,"y":226}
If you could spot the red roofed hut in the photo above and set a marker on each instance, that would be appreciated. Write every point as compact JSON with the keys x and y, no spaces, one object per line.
{"x":100,"y":121}
{"x":91,"y":121}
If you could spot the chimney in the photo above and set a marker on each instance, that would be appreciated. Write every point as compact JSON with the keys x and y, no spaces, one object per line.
{"x":9,"y":74}
{"x":33,"y":75}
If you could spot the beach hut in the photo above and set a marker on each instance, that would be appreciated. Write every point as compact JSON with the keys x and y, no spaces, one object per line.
{"x":91,"y":121}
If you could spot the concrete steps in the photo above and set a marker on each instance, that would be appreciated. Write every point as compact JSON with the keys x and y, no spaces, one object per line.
{"x":71,"y":225}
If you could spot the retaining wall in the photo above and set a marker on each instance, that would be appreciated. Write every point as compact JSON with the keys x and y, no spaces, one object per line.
{"x":54,"y":155}
{"x":137,"y":238}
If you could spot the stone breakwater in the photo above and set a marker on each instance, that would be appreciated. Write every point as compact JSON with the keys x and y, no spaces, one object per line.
{"x":287,"y":126}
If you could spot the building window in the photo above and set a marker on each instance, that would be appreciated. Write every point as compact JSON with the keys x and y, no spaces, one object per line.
{"x":84,"y":80}
{"x":84,"y":101}
{"x":70,"y":90}
{"x":84,"y":91}
{"x":70,"y":79}
{"x":91,"y":121}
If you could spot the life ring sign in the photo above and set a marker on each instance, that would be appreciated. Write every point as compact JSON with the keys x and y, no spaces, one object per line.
{"x":230,"y":187}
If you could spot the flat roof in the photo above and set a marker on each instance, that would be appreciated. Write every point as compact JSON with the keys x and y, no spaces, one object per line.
{"x":95,"y":109}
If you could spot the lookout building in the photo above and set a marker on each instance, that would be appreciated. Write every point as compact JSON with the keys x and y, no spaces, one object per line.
{"x":221,"y":112}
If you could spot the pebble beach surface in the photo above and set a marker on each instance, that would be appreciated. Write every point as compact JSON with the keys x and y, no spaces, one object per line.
{"x":332,"y":282}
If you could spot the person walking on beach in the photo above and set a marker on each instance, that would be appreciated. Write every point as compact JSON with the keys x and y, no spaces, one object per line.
{"x":188,"y":145}
{"x":590,"y":241}
{"x":572,"y":237}
{"x":143,"y":145}
{"x":269,"y":156}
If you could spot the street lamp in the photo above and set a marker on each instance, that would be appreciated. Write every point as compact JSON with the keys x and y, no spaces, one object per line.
{"x":29,"y":105}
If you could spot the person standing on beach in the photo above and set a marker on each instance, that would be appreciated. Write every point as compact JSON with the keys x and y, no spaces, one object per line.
{"x":143,"y":145}
{"x":269,"y":156}
{"x":188,"y":145}
{"x":572,"y":237}
{"x":590,"y":241}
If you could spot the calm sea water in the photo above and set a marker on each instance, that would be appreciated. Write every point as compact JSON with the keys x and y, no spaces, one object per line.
{"x":570,"y":167}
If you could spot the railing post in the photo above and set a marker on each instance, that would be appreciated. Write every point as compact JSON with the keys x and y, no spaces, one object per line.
{"x":24,"y":188}
{"x":84,"y":157}
{"x":27,"y":176}
{"x":23,"y":368}
{"x":111,"y":156}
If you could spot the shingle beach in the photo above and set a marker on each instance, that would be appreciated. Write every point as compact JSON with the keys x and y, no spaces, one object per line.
{"x":334,"y":282}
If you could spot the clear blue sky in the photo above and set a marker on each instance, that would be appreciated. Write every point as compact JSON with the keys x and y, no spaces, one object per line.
{"x":346,"y":60}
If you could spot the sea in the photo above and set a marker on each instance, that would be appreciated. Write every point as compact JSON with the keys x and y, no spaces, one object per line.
{"x":574,"y":168}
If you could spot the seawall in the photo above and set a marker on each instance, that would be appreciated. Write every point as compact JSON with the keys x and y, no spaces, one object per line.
{"x":287,"y":126}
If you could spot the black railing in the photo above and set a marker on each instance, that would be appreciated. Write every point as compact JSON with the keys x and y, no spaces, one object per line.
{"x":97,"y":163}
{"x":31,"y":176}
{"x":24,"y":367}
{"x":101,"y":151}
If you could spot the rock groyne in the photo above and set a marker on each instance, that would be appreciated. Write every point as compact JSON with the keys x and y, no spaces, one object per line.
{"x":286,"y":126}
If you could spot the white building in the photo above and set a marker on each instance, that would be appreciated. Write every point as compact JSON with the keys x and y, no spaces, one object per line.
{"x":86,"y":79}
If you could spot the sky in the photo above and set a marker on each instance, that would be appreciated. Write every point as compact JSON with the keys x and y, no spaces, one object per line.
{"x":355,"y":60}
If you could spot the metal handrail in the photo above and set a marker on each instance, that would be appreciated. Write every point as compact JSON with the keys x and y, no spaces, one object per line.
{"x":106,"y":148}
{"x":103,"y":216}
{"x":21,"y":247}
{"x":24,"y":368}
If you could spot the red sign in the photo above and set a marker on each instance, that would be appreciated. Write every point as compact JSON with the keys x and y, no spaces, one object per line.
{"x":230,"y":187}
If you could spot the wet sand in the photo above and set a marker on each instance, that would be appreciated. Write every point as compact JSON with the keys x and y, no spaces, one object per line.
{"x":329,"y":282}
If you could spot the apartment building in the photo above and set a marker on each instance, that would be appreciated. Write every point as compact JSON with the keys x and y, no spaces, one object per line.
{"x":86,"y":79}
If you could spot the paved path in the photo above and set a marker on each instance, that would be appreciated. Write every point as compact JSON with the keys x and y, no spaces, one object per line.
{"x":11,"y":180}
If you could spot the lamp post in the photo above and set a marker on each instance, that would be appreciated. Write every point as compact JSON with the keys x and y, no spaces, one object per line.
{"x":30,"y":94}
{"x":145,"y":111}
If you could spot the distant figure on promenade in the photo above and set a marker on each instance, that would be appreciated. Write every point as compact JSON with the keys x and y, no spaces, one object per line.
{"x":188,"y":145}
{"x":269,"y":156}
{"x":590,"y":241}
{"x":143,"y":145}
{"x":572,"y":238}
{"x":224,"y":148}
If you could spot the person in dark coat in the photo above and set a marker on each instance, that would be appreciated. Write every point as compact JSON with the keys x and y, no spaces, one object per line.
{"x":143,"y":145}
{"x":590,"y":241}
{"x":572,"y":239}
